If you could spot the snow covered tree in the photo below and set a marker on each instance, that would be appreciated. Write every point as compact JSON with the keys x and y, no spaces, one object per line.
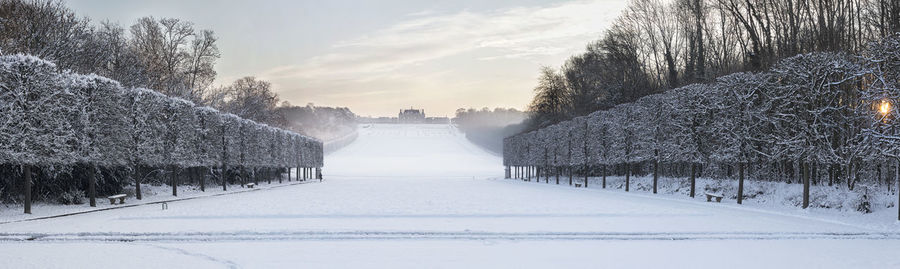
{"x":578,"y":147}
{"x":655,"y":134}
{"x":99,"y":125}
{"x":35,"y":110}
{"x":602,"y":144}
{"x":824,"y":127}
{"x":692,"y":120}
{"x":144,"y":126}
{"x":740,"y":125}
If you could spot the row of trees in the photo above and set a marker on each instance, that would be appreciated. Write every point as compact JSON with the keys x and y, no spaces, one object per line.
{"x":656,"y":45}
{"x":54,"y":118}
{"x":808,"y":114}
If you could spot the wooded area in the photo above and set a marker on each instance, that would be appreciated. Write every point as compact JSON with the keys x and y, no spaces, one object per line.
{"x":658,"y":45}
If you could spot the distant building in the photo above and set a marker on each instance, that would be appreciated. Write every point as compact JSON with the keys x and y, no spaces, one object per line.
{"x":406,"y":116}
{"x":411,"y":116}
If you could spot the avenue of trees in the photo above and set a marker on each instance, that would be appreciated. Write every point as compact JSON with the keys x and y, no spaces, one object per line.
{"x":814,"y":118}
{"x":62,"y":131}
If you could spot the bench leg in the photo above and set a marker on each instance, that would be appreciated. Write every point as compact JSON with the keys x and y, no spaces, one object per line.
{"x":122,"y":200}
{"x":709,"y":198}
{"x":718,"y":199}
{"x":112,"y":201}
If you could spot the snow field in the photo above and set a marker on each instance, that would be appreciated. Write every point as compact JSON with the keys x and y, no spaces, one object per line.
{"x":413,"y":196}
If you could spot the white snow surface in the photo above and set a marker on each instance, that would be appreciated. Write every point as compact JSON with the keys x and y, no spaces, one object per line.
{"x":422,"y":196}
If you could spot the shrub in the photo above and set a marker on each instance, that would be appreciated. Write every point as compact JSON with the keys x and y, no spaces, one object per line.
{"x":73,"y":197}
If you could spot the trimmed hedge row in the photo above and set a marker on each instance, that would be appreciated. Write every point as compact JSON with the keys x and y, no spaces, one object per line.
{"x":53,"y":117}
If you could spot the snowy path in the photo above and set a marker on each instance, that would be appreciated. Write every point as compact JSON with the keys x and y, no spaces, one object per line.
{"x":415,"y":196}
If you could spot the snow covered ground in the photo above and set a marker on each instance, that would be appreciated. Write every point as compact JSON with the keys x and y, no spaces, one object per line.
{"x":413,"y":196}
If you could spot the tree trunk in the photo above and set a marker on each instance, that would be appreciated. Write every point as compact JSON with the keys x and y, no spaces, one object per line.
{"x":570,"y":175}
{"x":557,"y":175}
{"x":604,"y":176}
{"x":174,"y":179}
{"x":830,"y":175}
{"x":586,"y":175}
{"x":202,"y":177}
{"x":92,"y":185}
{"x":805,"y":170}
{"x":740,"y":195}
{"x":655,"y":174}
{"x":224,"y":177}
{"x":26,"y":169}
{"x":137,"y":175}
{"x":693,"y":179}
{"x":627,"y":175}
{"x":850,"y":175}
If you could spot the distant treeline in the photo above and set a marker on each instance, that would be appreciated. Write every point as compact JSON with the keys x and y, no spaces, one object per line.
{"x":325,"y":123}
{"x":487,"y":127}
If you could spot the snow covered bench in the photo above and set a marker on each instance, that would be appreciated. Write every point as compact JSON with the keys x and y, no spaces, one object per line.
{"x":112,"y":199}
{"x":578,"y":185}
{"x":718,"y":197}
{"x":250,"y":185}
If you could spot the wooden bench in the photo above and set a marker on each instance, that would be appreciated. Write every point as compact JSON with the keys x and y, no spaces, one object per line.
{"x":578,"y":185}
{"x":112,"y":199}
{"x":718,"y":197}
{"x":250,"y":185}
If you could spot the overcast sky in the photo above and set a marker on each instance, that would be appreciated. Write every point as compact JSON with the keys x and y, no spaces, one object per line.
{"x":377,"y":57}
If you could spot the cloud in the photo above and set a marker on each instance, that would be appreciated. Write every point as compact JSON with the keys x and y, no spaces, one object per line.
{"x":424,"y":40}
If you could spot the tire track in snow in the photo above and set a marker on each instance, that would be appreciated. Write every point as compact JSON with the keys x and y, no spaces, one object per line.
{"x":226,"y":263}
{"x":417,"y":216}
{"x":432,"y":235}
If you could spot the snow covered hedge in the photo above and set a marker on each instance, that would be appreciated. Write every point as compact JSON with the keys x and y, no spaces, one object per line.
{"x":810,"y":115}
{"x":51,"y":117}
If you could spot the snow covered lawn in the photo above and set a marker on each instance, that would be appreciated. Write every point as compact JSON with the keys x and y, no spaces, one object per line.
{"x":151,"y":194}
{"x":413,"y":196}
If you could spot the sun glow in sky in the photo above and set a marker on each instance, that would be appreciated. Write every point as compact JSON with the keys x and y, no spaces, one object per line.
{"x":379,"y":56}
